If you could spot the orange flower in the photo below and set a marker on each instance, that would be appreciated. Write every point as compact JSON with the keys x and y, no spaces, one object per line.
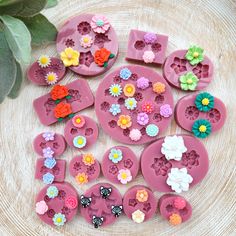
{"x":124,"y":121}
{"x":101,"y":56}
{"x":175,"y":219}
{"x":142,"y":195}
{"x":59,"y":92}
{"x":129,"y":90}
{"x":81,"y":178}
{"x":62,"y":110}
{"x":88,"y":159}
{"x":159,"y":87}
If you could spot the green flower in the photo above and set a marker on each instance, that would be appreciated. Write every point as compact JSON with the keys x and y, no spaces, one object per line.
{"x":194,"y":55}
{"x":201,"y":128}
{"x":188,"y":81}
{"x":52,"y":192}
{"x":204,"y":102}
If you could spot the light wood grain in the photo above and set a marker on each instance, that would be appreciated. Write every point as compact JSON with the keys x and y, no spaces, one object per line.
{"x":211,"y":24}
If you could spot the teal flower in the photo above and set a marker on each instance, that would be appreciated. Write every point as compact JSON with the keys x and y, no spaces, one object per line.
{"x":125,"y":73}
{"x":79,"y":141}
{"x":188,"y":81}
{"x":194,"y":55}
{"x":201,"y":128}
{"x":204,"y":102}
{"x":115,"y":155}
{"x":130,"y":103}
{"x":115,"y":90}
{"x":115,"y":109}
{"x":59,"y":219}
{"x":52,"y":192}
{"x":152,"y":130}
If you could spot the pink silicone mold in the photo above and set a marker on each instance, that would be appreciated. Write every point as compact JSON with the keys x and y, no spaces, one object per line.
{"x":176,"y":65}
{"x":141,"y":42}
{"x":101,"y":204}
{"x":144,"y":95}
{"x":80,"y":97}
{"x":37,"y":74}
{"x":63,"y":200}
{"x":139,"y":198}
{"x":156,"y":167}
{"x":70,"y":35}
{"x":126,"y":161}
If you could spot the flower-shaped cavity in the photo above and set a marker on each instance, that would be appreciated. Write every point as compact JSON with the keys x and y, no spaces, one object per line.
{"x":139,"y":45}
{"x":90,"y":170}
{"x":152,"y":130}
{"x":70,"y":57}
{"x":166,"y":110}
{"x":143,"y":83}
{"x":59,"y":219}
{"x":102,"y":56}
{"x":48,"y":178}
{"x":50,"y":163}
{"x":62,"y":110}
{"x":58,"y":92}
{"x":78,"y":121}
{"x":173,"y":147}
{"x":115,"y":155}
{"x":84,"y":28}
{"x":138,"y":216}
{"x":52,"y":192}
{"x":51,"y":78}
{"x":158,"y":87}
{"x":130,"y":103}
{"x":125,"y":73}
{"x":86,"y":58}
{"x":113,"y":169}
{"x":190,"y":159}
{"x":150,"y":38}
{"x":179,"y":65}
{"x":81,"y":178}
{"x":79,"y":141}
{"x":48,"y":136}
{"x":148,"y":56}
{"x":175,"y":219}
{"x":124,"y":121}
{"x":161,"y":166}
{"x":188,"y":81}
{"x":88,"y":159}
{"x":194,"y":55}
{"x":147,"y":107}
{"x":142,"y":118}
{"x":101,"y":39}
{"x":135,"y":134}
{"x":115,"y":109}
{"x":204,"y":101}
{"x":201,"y":71}
{"x":191,"y":113}
{"x":70,"y":43}
{"x":138,"y":97}
{"x":128,"y":163}
{"x":179,"y":179}
{"x":129,"y":90}
{"x":115,"y":90}
{"x":44,"y":61}
{"x":124,"y":176}
{"x":48,"y":152}
{"x":201,"y":128}
{"x":213,"y":115}
{"x":41,"y":207}
{"x":179,"y":203}
{"x":142,"y":195}
{"x":156,"y":47}
{"x":86,"y":41}
{"x":100,"y":24}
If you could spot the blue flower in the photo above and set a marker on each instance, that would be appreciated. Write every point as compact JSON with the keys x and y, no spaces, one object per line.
{"x":50,"y":162}
{"x":48,"y":178}
{"x":115,"y":90}
{"x":115,"y":109}
{"x":152,"y":130}
{"x":130,"y":103}
{"x":79,"y":141}
{"x":125,"y":73}
{"x":201,"y":128}
{"x":115,"y":155}
{"x":59,"y":219}
{"x":52,"y":192}
{"x":204,"y":101}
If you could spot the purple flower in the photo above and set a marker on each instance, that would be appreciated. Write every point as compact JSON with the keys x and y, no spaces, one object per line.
{"x":48,"y":136}
{"x":48,"y":178}
{"x":143,"y":83}
{"x":142,"y":118}
{"x":150,"y":38}
{"x":48,"y":152}
{"x":166,"y":110}
{"x":50,"y":163}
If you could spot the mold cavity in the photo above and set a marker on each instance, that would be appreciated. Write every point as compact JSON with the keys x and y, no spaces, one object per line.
{"x":61,"y":194}
{"x":90,"y":170}
{"x":126,"y":132}
{"x":121,"y":101}
{"x":65,"y":210}
{"x":40,"y":74}
{"x":191,"y":113}
{"x":88,"y":131}
{"x":139,"y":45}
{"x":134,"y":77}
{"x":213,"y":115}
{"x":84,"y":28}
{"x":70,"y":43}
{"x":55,"y":67}
{"x":75,"y":96}
{"x":147,"y":206}
{"x":77,"y":166}
{"x":42,"y":145}
{"x":46,"y":198}
{"x":179,"y":65}
{"x":56,"y":170}
{"x":161,"y":166}
{"x":49,"y":105}
{"x":73,"y":131}
{"x":190,"y":159}
{"x":55,"y":145}
{"x":128,"y":163}
{"x":156,"y":47}
{"x":107,"y":92}
{"x":201,"y":71}
{"x":138,"y":97}
{"x":50,"y":213}
{"x":169,"y":208}
{"x":112,"y":123}
{"x":143,"y":131}
{"x":157,"y":117}
{"x":159,"y":99}
{"x":117,"y":79}
{"x":105,"y":106}
{"x":183,"y":211}
{"x":86,"y":58}
{"x":100,"y":40}
{"x":43,"y":170}
{"x":113,"y":169}
{"x":132,"y":202}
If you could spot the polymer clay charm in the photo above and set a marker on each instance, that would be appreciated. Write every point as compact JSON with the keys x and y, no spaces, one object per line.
{"x":63,"y":102}
{"x":46,"y":71}
{"x":84,"y":168}
{"x":57,"y":204}
{"x":189,"y":69}
{"x":134,"y":104}
{"x":147,"y":47}
{"x":120,"y":165}
{"x":174,"y":163}
{"x":200,"y":113}
{"x":139,"y":204}
{"x":174,"y":208}
{"x":88,"y":44}
{"x":81,"y":132}
{"x":101,"y":205}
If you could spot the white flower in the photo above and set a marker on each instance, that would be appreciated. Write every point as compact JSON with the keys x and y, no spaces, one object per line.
{"x":173,"y":147}
{"x":138,"y":216}
{"x":44,"y":61}
{"x":179,"y":179}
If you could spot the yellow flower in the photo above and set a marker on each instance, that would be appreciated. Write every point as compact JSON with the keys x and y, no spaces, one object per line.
{"x":88,"y":159}
{"x":70,"y":57}
{"x":129,"y":90}
{"x":44,"y":61}
{"x":81,"y":178}
{"x":175,"y":219}
{"x":159,"y":87}
{"x":51,"y":78}
{"x":124,"y":121}
{"x":142,"y":195}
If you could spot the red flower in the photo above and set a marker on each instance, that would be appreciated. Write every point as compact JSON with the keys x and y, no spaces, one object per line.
{"x":62,"y":110}
{"x":59,"y":92}
{"x":101,"y":56}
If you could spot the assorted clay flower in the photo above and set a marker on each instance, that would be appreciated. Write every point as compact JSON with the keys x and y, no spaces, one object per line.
{"x":70,"y":57}
{"x":165,"y":110}
{"x":100,"y":24}
{"x":48,"y":152}
{"x":142,"y":195}
{"x":158,"y":87}
{"x":152,"y":130}
{"x":44,"y":61}
{"x":142,"y":118}
{"x":194,"y":55}
{"x":79,"y":141}
{"x":71,"y":202}
{"x":115,"y":155}
{"x":150,"y":38}
{"x":88,"y":159}
{"x":138,"y":216}
{"x":129,"y":90}
{"x":102,"y":56}
{"x":135,"y":135}
{"x":59,"y":219}
{"x":78,"y":121}
{"x":124,"y":121}
{"x":130,"y":103}
{"x":188,"y":81}
{"x":179,"y":203}
{"x":201,"y":128}
{"x":147,"y":107}
{"x":81,"y":178}
{"x":52,"y":192}
{"x":86,"y":41}
{"x":143,"y":83}
{"x":115,"y":109}
{"x":62,"y":110}
{"x":58,"y":92}
{"x":41,"y":207}
{"x":48,"y":178}
{"x":124,"y":176}
{"x":204,"y":101}
{"x":115,"y":90}
{"x":48,"y":136}
{"x":148,"y":56}
{"x":125,"y":73}
{"x":51,"y":78}
{"x":50,"y":163}
{"x":175,"y":219}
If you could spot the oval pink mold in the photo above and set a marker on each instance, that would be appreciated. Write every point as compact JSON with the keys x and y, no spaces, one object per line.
{"x":155,"y":166}
{"x":70,"y":35}
{"x":176,"y":65}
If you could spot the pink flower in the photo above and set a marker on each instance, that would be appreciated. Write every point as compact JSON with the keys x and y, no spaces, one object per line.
{"x":124,"y":176}
{"x":166,"y":110}
{"x":100,"y":24}
{"x":142,"y":118}
{"x":78,"y":121}
{"x":142,"y":83}
{"x":179,"y":203}
{"x":148,"y":56}
{"x":135,"y":134}
{"x":86,"y":41}
{"x":41,"y":207}
{"x":150,"y":38}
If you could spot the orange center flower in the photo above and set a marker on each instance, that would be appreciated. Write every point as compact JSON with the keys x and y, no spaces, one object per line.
{"x":142,"y":195}
{"x":159,"y":87}
{"x":175,"y":219}
{"x":124,"y":121}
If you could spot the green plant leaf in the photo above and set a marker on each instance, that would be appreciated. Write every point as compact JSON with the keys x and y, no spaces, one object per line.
{"x":51,"y":3}
{"x":7,"y":68}
{"x":18,"y":38}
{"x":7,"y":2}
{"x":41,"y":30}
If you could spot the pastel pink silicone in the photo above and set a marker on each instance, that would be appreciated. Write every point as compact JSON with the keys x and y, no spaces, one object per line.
{"x":58,"y":170}
{"x":131,"y":204}
{"x":88,"y":131}
{"x":176,"y":65}
{"x":81,"y":98}
{"x":168,"y":207}
{"x":58,"y":145}
{"x":37,"y":74}
{"x":99,"y":206}
{"x":155,"y":167}
{"x":69,"y":36}
{"x":58,"y":204}
{"x":104,"y":101}
{"x":129,"y":161}
{"x":186,"y":113}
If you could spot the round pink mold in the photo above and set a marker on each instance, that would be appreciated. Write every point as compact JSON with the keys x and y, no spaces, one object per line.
{"x":176,"y":65}
{"x":58,"y":204}
{"x":58,"y":145}
{"x":89,"y":131}
{"x":104,"y":100}
{"x":132,"y":204}
{"x":69,"y":36}
{"x":129,"y":162}
{"x":155,"y":167}
{"x":36,"y":74}
{"x":104,"y":198}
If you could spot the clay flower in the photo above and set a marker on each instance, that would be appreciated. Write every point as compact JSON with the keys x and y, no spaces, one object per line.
{"x":41,"y":207}
{"x":124,"y":121}
{"x":115,"y":109}
{"x":194,"y":55}
{"x":188,"y":81}
{"x":86,"y":41}
{"x":124,"y":176}
{"x":201,"y":128}
{"x":48,"y":178}
{"x":147,"y":107}
{"x":142,"y":118}
{"x":165,"y":110}
{"x":148,"y":56}
{"x":81,"y":178}
{"x":100,"y":24}
{"x":48,"y":136}
{"x":173,"y":147}
{"x":71,"y":202}
{"x":142,"y":195}
{"x":48,"y":152}
{"x":129,"y":90}
{"x":179,"y":203}
{"x":102,"y":56}
{"x":179,"y":179}
{"x":204,"y":101}
{"x":59,"y":219}
{"x":70,"y":57}
{"x":125,"y":73}
{"x":79,"y":141}
{"x":135,"y":135}
{"x":150,"y":38}
{"x":138,"y":216}
{"x":62,"y":110}
{"x":152,"y":130}
{"x":175,"y":219}
{"x":115,"y":155}
{"x":115,"y":90}
{"x":58,"y":92}
{"x":51,"y":78}
{"x":143,"y":83}
{"x":52,"y":192}
{"x":158,"y":87}
{"x":50,"y":163}
{"x":78,"y":121}
{"x":130,"y":103}
{"x":44,"y":61}
{"x":88,"y":159}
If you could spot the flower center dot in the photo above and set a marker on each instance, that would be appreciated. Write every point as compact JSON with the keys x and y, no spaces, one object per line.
{"x":80,"y":141}
{"x":189,"y":81}
{"x":123,"y":175}
{"x":100,"y":23}
{"x":115,"y":155}
{"x":115,"y":90}
{"x":51,"y":77}
{"x":86,"y":40}
{"x":195,"y":54}
{"x":202,"y":128}
{"x":78,"y":120}
{"x":59,"y":220}
{"x":205,"y":101}
{"x":44,"y":60}
{"x":124,"y":121}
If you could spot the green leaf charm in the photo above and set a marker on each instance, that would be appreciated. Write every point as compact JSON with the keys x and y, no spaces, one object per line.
{"x":105,"y":64}
{"x":51,"y":3}
{"x":111,"y":55}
